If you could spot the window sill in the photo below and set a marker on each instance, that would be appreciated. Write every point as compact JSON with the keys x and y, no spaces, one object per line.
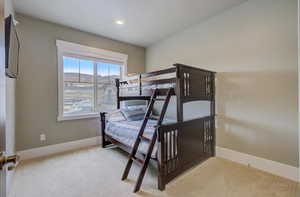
{"x":77,"y":117}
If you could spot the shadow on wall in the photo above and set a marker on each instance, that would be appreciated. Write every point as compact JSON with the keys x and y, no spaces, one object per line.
{"x":254,"y":107}
{"x":256,"y":114}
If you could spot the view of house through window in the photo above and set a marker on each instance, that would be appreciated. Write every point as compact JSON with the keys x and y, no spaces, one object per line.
{"x":89,"y":85}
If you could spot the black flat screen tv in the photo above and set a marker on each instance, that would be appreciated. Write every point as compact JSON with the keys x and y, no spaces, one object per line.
{"x":12,"y":47}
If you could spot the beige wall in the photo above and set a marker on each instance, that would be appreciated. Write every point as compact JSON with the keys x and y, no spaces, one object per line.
{"x":253,"y":47}
{"x":37,"y":85}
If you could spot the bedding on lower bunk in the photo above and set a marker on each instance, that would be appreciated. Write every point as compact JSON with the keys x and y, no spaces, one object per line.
{"x":122,"y":130}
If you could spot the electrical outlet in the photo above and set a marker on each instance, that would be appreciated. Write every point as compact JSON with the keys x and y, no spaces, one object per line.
{"x":43,"y":137}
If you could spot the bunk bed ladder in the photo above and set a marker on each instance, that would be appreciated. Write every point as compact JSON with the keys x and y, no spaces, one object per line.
{"x":148,"y":116}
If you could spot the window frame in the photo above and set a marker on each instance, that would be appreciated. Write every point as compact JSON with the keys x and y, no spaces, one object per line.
{"x":70,"y":49}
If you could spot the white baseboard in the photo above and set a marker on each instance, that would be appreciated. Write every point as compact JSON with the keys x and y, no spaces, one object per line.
{"x":58,"y":148}
{"x":272,"y":167}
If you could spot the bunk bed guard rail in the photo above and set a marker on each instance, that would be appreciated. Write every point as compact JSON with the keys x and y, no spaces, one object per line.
{"x":190,"y":84}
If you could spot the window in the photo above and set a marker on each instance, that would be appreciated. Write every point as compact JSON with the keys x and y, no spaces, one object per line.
{"x":87,"y":80}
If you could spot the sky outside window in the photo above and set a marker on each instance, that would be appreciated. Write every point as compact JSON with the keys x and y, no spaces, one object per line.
{"x":74,"y":65}
{"x":107,"y":69}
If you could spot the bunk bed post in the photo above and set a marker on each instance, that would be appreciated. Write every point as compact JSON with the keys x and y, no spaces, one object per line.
{"x":102,"y":119}
{"x":140,"y":85}
{"x":213,"y":112}
{"x":118,"y":93}
{"x":161,"y":161}
{"x":178,"y":90}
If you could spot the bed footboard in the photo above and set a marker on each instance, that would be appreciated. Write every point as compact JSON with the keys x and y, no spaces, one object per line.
{"x":183,"y":145}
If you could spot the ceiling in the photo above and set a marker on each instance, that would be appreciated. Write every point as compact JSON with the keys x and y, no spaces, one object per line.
{"x":145,"y":21}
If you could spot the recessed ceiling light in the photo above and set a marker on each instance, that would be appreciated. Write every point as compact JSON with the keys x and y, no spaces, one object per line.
{"x":119,"y":22}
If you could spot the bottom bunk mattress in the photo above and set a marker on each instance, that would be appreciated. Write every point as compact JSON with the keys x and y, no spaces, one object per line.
{"x":124,"y":131}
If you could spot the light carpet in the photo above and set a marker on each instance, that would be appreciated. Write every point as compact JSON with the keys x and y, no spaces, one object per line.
{"x":96,"y":172}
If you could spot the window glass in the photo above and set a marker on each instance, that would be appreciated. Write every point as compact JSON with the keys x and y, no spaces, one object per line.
{"x":106,"y":90}
{"x":78,"y":98}
{"x":102,"y":72}
{"x":86,"y":69}
{"x":71,"y":69}
{"x":82,"y":88}
{"x":114,"y":72}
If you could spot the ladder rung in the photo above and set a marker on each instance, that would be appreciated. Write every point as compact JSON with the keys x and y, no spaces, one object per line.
{"x":159,"y":99}
{"x":145,"y":138}
{"x":153,"y":117}
{"x":137,"y":160}
{"x":164,"y":91}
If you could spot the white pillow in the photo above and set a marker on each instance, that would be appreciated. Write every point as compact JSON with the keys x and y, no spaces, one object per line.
{"x":134,"y":114}
{"x":116,"y":116}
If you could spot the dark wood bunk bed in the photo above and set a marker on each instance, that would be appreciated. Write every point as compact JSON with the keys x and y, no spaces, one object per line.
{"x":180,"y":145}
